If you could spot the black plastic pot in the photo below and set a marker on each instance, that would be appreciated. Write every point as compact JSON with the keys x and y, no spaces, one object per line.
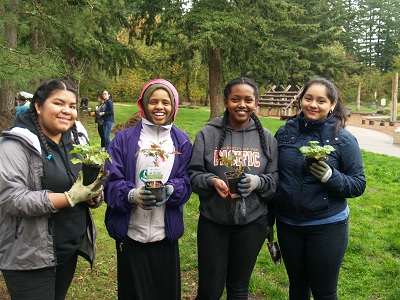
{"x":232,"y":180}
{"x":310,"y":161}
{"x":158,"y":191}
{"x":90,"y":173}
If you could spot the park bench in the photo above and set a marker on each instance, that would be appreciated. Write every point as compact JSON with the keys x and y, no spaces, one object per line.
{"x":283,"y":101}
{"x":371,"y":119}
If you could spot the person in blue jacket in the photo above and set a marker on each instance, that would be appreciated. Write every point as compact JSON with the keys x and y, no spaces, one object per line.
{"x":146,"y":231}
{"x":107,"y":115}
{"x":312,"y":213}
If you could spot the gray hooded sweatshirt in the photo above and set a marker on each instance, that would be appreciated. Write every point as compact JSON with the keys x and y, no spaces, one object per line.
{"x":205,"y":165}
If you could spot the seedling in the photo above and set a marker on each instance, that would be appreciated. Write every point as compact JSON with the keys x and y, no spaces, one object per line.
{"x":89,"y":155}
{"x":158,"y":154}
{"x":235,"y":163}
{"x":315,"y":151}
{"x":92,"y":160}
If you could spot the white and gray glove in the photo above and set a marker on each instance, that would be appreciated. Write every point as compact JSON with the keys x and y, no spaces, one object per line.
{"x":248,"y":184}
{"x":81,"y":193}
{"x":142,"y":198}
{"x":321,"y":171}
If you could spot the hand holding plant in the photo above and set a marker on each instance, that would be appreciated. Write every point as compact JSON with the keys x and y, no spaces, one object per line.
{"x":249,"y":184}
{"x":153,"y":181}
{"x":321,"y":171}
{"x":92,"y":160}
{"x":235,"y":163}
{"x":80,"y":193}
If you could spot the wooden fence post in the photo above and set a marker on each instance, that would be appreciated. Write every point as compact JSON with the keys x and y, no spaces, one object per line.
{"x":395,"y":86}
{"x":358,"y":97}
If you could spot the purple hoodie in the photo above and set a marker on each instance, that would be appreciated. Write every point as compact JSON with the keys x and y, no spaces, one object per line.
{"x":122,"y":176}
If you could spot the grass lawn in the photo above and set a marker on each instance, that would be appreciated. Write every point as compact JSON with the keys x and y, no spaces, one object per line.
{"x":371,"y":267}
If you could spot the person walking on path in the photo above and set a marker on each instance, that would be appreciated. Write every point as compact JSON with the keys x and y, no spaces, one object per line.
{"x":231,"y":231}
{"x":108,"y":117}
{"x":312,"y":214}
{"x":146,"y":231}
{"x":45,"y":222}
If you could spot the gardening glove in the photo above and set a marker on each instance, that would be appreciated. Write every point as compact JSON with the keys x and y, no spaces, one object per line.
{"x":80,"y":193}
{"x":169,"y":189}
{"x":101,"y":114}
{"x":321,"y":171}
{"x":248,"y":184}
{"x":143,"y":198}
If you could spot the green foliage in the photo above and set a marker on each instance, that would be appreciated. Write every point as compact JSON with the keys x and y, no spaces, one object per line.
{"x":234,"y":162}
{"x":89,"y":155}
{"x":315,"y":151}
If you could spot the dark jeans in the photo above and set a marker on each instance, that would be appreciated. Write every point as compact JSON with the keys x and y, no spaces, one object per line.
{"x":107,"y":127}
{"x":41,"y":284}
{"x":313,"y":256}
{"x":226,"y":255}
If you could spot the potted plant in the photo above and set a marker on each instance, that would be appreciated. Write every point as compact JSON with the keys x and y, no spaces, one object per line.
{"x":313,"y":153}
{"x":92,"y":160}
{"x":155,"y":173}
{"x":235,"y":163}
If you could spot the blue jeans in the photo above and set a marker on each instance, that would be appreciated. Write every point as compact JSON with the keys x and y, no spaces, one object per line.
{"x":313,"y":256}
{"x":107,"y":126}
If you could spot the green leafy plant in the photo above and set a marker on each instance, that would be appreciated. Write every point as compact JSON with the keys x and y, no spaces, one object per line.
{"x":158,"y":154}
{"x":315,"y":151}
{"x":235,"y":163}
{"x":89,"y":155}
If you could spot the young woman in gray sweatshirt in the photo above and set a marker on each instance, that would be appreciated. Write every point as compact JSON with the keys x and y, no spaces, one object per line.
{"x":232,"y":231}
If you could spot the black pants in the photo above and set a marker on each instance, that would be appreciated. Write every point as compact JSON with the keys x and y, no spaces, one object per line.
{"x":313,"y":256}
{"x":41,"y":284}
{"x":226,"y":256}
{"x":148,"y":271}
{"x":100,"y":130}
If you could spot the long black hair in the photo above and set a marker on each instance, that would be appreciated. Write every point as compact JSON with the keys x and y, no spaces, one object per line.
{"x":44,"y":91}
{"x":340,"y":112}
{"x":225,"y":120}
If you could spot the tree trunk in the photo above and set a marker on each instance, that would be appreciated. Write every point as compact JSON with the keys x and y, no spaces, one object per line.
{"x":214,"y":83}
{"x":187,"y":87}
{"x":7,"y":99}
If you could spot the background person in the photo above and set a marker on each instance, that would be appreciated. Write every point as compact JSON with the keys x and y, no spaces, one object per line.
{"x":44,"y":218}
{"x":100,"y":121}
{"x":228,"y":244}
{"x":108,"y":117}
{"x":23,"y":103}
{"x":147,"y":233}
{"x":311,"y":208}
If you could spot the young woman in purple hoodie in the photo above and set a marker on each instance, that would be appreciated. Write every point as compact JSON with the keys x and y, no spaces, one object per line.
{"x":146,"y":231}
